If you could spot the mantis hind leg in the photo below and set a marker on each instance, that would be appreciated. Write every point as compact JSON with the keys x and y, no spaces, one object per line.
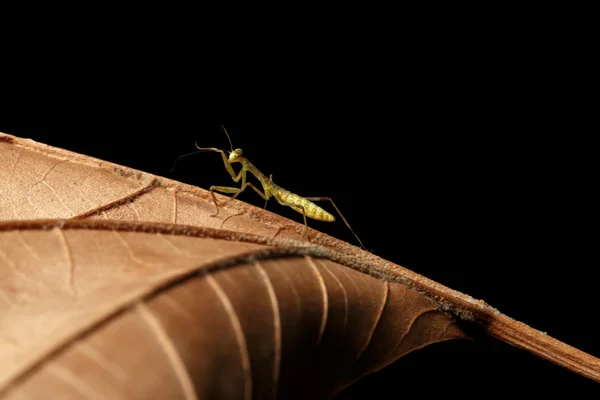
{"x":340,"y":214}
{"x":283,"y":203}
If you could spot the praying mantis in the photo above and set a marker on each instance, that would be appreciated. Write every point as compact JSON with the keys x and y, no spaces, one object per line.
{"x":303,"y":205}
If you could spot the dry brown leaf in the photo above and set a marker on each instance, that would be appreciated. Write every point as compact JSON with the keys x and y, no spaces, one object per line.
{"x":38,"y":181}
{"x":273,"y":320}
{"x":89,"y":308}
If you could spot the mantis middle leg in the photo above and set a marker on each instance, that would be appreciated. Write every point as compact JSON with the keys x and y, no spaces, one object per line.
{"x":236,"y":191}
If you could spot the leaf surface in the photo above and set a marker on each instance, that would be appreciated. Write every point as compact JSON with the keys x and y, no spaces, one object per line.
{"x":89,"y":307}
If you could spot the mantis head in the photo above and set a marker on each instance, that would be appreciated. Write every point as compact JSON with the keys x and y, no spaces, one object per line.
{"x":235,"y":156}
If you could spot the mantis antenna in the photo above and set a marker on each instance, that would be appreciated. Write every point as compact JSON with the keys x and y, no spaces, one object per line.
{"x":200,"y":151}
{"x":230,"y":144}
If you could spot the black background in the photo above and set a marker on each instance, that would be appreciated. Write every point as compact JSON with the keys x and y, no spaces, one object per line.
{"x":466,"y":157}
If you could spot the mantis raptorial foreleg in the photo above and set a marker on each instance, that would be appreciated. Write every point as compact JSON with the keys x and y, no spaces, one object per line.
{"x":339,"y":212}
{"x":227,"y":189}
{"x":228,"y":166}
{"x":266,"y":199}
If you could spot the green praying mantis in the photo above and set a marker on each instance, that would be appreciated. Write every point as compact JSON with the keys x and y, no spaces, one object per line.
{"x":303,"y":205}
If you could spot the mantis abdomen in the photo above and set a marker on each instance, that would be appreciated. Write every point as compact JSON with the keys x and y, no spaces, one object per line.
{"x":310,"y":209}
